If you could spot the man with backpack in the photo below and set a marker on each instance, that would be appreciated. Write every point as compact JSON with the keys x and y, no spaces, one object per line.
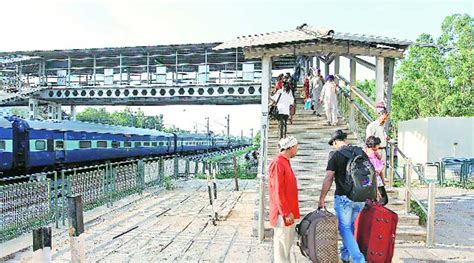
{"x":350,"y":167}
{"x":283,"y":197}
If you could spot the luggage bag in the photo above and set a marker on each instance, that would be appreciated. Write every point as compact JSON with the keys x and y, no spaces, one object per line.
{"x":317,"y":236}
{"x":375,"y":231}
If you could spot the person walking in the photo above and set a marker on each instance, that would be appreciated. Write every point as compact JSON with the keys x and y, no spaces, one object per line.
{"x":283,"y":197}
{"x":372,"y":149}
{"x":329,"y":100}
{"x":377,"y":129}
{"x":283,"y":99}
{"x":279,"y":84}
{"x":316,"y":88}
{"x":346,"y":209}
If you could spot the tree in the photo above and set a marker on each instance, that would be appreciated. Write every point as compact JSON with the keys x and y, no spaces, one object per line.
{"x":256,"y":139}
{"x":126,"y":117}
{"x":435,"y":79}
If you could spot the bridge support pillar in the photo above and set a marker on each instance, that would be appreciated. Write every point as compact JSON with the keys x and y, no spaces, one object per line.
{"x":266,"y":83}
{"x":33,"y":109}
{"x":54,"y":111}
{"x":73,"y":112}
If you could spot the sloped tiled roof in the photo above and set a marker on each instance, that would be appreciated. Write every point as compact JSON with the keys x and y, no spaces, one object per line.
{"x":306,"y":34}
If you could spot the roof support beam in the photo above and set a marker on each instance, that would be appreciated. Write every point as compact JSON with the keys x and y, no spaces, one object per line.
{"x":310,"y":48}
{"x":363,"y":62}
{"x":379,"y":80}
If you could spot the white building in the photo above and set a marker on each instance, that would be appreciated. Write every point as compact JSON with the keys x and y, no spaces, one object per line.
{"x":430,"y":139}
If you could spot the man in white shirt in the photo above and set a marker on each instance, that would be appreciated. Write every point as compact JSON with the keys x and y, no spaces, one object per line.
{"x":377,"y":129}
{"x":283,"y":99}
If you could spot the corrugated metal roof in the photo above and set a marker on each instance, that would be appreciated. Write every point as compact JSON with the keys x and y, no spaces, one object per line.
{"x":305,"y":34}
{"x":92,"y":127}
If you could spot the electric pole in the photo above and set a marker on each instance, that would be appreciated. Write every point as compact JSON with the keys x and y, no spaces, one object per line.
{"x":241,"y":135}
{"x":228,"y":128}
{"x":251,"y":134}
{"x":207,"y":125}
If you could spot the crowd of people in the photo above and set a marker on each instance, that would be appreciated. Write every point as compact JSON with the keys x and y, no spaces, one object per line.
{"x":283,"y":189}
{"x":318,"y":91}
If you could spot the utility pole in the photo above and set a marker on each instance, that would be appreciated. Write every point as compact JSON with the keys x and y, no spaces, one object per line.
{"x":207,"y":125}
{"x":228,"y":128}
{"x":241,"y":135}
{"x":251,"y":134}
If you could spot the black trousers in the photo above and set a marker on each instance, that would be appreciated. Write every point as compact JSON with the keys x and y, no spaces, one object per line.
{"x":384,"y":195}
{"x":282,"y":123}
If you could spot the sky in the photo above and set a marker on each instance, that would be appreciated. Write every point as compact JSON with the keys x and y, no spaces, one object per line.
{"x":45,"y":24}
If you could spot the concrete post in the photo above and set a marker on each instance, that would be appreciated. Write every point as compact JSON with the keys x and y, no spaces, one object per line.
{"x":42,"y":245}
{"x":76,"y":229}
{"x":326,"y":69}
{"x":161,"y":169}
{"x":336,"y":66}
{"x":408,"y":188}
{"x":266,"y":82}
{"x":176,"y":167}
{"x":73,"y":112}
{"x":430,"y":235}
{"x":379,"y":80}
{"x":33,"y":108}
{"x":318,"y":63}
{"x":58,"y":112}
{"x":392,"y":166}
{"x":353,"y":83}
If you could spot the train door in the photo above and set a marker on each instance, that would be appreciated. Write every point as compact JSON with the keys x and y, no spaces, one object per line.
{"x":59,"y":146}
{"x":21,"y":145}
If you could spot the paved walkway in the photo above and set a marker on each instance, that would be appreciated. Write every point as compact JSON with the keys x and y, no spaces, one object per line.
{"x":175,"y":226}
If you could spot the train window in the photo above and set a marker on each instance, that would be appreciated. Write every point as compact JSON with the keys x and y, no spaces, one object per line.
{"x":101,"y":144}
{"x":59,"y":145}
{"x":85,"y":144}
{"x":138,"y":144}
{"x":161,"y":143}
{"x":115,"y":144}
{"x":127,"y":144}
{"x":2,"y":145}
{"x":154,"y":144}
{"x":40,"y":145}
{"x":146,"y":144}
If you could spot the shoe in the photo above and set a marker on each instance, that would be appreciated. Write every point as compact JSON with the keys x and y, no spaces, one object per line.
{"x":314,"y":113}
{"x":319,"y":115}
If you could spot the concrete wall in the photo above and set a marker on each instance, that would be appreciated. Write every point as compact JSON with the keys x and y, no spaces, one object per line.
{"x":430,"y":139}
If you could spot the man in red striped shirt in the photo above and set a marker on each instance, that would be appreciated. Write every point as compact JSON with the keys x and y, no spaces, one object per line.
{"x":283,"y":195}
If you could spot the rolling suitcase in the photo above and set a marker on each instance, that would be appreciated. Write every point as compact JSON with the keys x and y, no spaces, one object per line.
{"x":375,"y":231}
{"x":317,"y":236}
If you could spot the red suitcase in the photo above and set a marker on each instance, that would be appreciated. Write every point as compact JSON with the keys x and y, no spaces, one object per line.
{"x":375,"y":230}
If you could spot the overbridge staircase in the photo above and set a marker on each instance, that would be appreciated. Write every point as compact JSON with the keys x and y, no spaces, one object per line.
{"x":310,"y":164}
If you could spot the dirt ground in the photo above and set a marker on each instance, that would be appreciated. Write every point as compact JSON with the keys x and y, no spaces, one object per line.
{"x":175,"y":226}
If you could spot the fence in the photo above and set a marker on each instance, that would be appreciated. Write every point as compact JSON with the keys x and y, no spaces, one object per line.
{"x":31,"y":201}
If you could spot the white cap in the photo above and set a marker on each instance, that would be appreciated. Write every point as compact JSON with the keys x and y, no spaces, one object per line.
{"x":288,"y":142}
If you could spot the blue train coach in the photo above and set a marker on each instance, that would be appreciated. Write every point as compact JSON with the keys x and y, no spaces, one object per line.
{"x":6,"y":145}
{"x":66,"y":142}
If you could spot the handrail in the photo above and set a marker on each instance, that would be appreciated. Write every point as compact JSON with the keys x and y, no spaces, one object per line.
{"x":368,"y":101}
{"x":369,"y":119}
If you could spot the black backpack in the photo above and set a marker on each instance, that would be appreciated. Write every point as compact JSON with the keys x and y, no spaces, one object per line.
{"x":361,"y":181}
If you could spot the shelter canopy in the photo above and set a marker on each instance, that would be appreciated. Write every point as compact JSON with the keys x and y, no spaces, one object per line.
{"x":309,"y":40}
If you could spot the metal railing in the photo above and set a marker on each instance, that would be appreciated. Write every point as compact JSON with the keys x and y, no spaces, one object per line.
{"x":35,"y":200}
{"x":31,"y":201}
{"x":358,"y":118}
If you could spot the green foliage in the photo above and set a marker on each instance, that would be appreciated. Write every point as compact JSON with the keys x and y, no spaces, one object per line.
{"x":437,"y":81}
{"x":168,"y":183}
{"x":416,"y":209}
{"x":256,"y":140}
{"x":126,"y":117}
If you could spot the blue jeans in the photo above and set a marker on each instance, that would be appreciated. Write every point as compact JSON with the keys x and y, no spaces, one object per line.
{"x":347,"y":211}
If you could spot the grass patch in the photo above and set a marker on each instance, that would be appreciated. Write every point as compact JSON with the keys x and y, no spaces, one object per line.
{"x":416,"y":209}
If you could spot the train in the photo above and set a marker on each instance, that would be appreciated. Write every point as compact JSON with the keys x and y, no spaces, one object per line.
{"x":32,"y":145}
